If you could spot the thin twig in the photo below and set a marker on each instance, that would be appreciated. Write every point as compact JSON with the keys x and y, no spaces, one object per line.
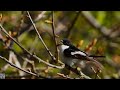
{"x":72,"y":25}
{"x":96,"y":73}
{"x":2,"y":29}
{"x":32,"y":55}
{"x":77,"y":72}
{"x":40,"y":16}
{"x":62,"y":75}
{"x":24,"y":76}
{"x":54,"y":37}
{"x":29,"y":25}
{"x":13,"y":65}
{"x":29,"y":16}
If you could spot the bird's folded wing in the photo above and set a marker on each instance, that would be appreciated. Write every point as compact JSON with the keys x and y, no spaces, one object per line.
{"x":75,"y":54}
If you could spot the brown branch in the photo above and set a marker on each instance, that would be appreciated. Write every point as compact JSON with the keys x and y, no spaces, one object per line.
{"x":54,"y":37}
{"x":29,"y":16}
{"x":13,"y":65}
{"x":40,"y":16}
{"x":32,"y":55}
{"x":77,"y":72}
{"x":62,"y":75}
{"x":24,"y":76}
{"x":96,"y":73}
{"x":29,"y":25}
{"x":2,"y":29}
{"x":72,"y":25}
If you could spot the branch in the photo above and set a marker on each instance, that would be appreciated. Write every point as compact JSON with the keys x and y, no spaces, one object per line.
{"x":40,"y":16}
{"x":29,"y":16}
{"x":24,"y":76}
{"x":54,"y":37}
{"x":77,"y":72}
{"x":72,"y":24}
{"x":13,"y":65}
{"x":26,"y":28}
{"x":62,"y":75}
{"x":96,"y":73}
{"x":25,"y":50}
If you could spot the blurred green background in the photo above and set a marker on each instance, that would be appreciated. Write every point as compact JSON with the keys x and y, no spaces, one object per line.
{"x":18,"y":22}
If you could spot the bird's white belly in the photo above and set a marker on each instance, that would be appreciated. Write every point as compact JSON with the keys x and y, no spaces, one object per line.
{"x":64,"y":59}
{"x":68,"y":61}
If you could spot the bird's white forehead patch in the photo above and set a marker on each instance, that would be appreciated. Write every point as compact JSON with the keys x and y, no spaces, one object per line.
{"x":78,"y":52}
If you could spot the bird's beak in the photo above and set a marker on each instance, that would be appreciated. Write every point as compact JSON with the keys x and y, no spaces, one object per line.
{"x":60,"y":43}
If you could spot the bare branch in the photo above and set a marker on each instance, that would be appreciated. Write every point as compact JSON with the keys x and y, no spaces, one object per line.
{"x":24,"y":76}
{"x":82,"y":75}
{"x":96,"y":73}
{"x":40,"y":16}
{"x":53,"y":58}
{"x":34,"y":56}
{"x":62,"y":75}
{"x":2,"y":29}
{"x":13,"y":65}
{"x":54,"y":37}
{"x":29,"y":25}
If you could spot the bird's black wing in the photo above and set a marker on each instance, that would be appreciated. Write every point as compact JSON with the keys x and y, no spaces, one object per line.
{"x":72,"y":49}
{"x":76,"y":49}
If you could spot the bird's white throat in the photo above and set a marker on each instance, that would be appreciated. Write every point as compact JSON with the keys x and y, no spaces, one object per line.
{"x":63,"y":47}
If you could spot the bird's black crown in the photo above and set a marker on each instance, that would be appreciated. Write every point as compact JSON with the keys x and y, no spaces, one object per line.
{"x":66,"y":42}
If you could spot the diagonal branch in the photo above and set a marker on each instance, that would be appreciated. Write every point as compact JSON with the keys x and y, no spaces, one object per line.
{"x":77,"y":72}
{"x":13,"y":65}
{"x":29,"y":25}
{"x":40,"y":16}
{"x":29,"y":16}
{"x":32,"y":55}
{"x":66,"y":77}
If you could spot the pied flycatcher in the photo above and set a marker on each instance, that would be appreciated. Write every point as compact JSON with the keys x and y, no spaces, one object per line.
{"x":70,"y":54}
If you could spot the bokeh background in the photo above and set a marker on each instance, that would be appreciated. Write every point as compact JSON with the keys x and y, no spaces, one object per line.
{"x":74,"y":25}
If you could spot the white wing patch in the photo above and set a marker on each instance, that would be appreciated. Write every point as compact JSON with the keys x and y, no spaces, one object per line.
{"x":78,"y":52}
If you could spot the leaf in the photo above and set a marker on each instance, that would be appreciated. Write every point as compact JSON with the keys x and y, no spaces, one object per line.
{"x":48,"y":21}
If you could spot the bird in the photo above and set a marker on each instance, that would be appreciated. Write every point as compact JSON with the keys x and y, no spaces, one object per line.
{"x":70,"y":54}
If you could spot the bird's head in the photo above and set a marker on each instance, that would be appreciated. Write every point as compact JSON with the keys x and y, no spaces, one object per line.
{"x":65,"y":42}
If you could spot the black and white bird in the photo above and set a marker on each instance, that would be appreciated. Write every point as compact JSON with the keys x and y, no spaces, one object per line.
{"x":71,"y":54}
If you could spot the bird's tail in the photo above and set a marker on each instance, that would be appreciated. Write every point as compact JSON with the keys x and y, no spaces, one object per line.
{"x":94,"y":56}
{"x":98,"y":64}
